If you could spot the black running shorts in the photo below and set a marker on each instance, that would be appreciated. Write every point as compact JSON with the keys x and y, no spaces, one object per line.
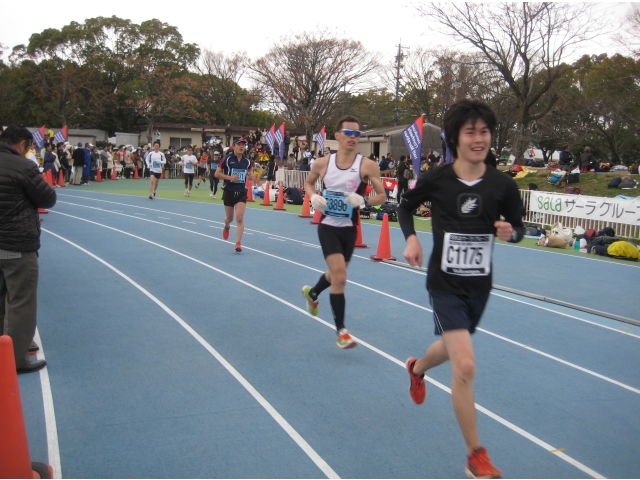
{"x":157,"y":175}
{"x":202,"y":171}
{"x":229,"y":199}
{"x":454,"y":312}
{"x":337,"y":240}
{"x":188,"y":178}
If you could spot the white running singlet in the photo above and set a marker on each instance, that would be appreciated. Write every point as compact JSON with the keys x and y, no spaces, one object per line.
{"x":337,"y":183}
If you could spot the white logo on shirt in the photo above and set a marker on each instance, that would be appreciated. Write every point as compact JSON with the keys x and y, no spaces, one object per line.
{"x":469,"y":205}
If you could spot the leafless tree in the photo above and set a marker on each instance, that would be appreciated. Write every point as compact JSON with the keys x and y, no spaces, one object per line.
{"x":304,"y":76}
{"x":221,"y":76}
{"x":527,"y":43}
{"x":629,"y":37}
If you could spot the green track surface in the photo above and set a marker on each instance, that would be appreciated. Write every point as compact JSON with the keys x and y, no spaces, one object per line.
{"x":173,"y":188}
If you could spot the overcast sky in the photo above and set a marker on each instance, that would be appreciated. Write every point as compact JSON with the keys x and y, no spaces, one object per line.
{"x":253,"y":26}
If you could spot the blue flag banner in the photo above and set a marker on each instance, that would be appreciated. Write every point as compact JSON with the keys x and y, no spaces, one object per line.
{"x":61,"y":135}
{"x":38,"y":138}
{"x":320,"y":140}
{"x":268,"y":137}
{"x":280,"y":141}
{"x":412,"y":136}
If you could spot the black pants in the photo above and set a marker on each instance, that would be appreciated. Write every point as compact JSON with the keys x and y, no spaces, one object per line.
{"x":213,"y":182}
{"x":403,"y":187}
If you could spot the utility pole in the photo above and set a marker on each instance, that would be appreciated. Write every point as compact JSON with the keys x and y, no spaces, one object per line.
{"x":399,"y":65}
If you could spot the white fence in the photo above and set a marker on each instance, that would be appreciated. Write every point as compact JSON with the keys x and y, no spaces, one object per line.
{"x":540,"y":218}
{"x":296,"y":178}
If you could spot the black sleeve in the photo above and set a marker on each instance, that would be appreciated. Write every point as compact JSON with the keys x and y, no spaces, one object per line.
{"x":40,"y":193}
{"x":410,"y":202}
{"x":512,"y":212}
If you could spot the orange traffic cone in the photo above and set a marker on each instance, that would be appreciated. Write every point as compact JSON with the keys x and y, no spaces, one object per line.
{"x":317,"y":216}
{"x":267,"y":201}
{"x":359,"y":243}
{"x":42,"y":210}
{"x":61,"y":180}
{"x":162,"y":173}
{"x":113,"y":173}
{"x":280,"y":202}
{"x":135,"y":173}
{"x":99,"y":175}
{"x":15,"y":461}
{"x":249,"y":191}
{"x":47,"y":177}
{"x":306,"y":207}
{"x":384,"y":244}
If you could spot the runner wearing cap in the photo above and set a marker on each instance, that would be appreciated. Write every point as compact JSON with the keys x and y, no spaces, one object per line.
{"x":214,"y":161}
{"x":155,"y":160}
{"x":344,"y":178}
{"x":234,"y":169}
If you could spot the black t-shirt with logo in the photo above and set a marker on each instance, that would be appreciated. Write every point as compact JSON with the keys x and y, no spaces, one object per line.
{"x":462,"y":221}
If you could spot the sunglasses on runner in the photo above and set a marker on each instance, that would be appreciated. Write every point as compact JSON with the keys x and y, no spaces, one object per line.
{"x":350,"y":133}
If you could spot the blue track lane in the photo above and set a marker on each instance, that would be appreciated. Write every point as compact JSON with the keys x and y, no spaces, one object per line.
{"x":137,"y":396}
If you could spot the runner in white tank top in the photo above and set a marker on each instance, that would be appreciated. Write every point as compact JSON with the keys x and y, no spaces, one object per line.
{"x":345,"y":175}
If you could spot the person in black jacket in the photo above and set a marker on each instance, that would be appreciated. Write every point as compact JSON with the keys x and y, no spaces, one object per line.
{"x":79,"y":163}
{"x":22,"y":191}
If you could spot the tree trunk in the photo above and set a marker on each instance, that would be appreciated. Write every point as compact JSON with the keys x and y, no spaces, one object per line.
{"x":149,"y":132}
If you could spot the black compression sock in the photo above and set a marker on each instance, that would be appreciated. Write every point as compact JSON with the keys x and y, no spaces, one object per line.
{"x":319,"y":287}
{"x":337,"y":306}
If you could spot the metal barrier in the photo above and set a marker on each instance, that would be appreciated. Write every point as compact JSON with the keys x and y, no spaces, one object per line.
{"x":538,"y":218}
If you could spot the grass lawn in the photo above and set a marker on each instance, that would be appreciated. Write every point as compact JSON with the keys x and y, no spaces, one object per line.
{"x":174,"y":189}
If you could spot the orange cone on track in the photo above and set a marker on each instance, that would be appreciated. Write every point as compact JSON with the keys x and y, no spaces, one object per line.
{"x":47,"y":177}
{"x":61,"y":180}
{"x":267,"y":201}
{"x":306,"y":208}
{"x":15,"y":461}
{"x":135,"y":173}
{"x":317,"y":216}
{"x":359,"y":243}
{"x":162,"y":173}
{"x":113,"y":173}
{"x":384,"y":244}
{"x":280,"y":202}
{"x":99,"y":175}
{"x":249,"y":192}
{"x":42,"y":210}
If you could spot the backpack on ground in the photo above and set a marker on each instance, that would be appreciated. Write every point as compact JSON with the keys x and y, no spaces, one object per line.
{"x":615,"y":182}
{"x":628,"y":183}
{"x":572,"y":190}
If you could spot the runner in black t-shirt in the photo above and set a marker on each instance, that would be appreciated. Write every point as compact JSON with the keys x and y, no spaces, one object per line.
{"x":467,"y":201}
{"x":235,"y":169}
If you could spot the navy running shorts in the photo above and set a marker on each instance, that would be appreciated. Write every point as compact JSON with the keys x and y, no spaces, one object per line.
{"x":454,"y":312}
{"x":230,"y":199}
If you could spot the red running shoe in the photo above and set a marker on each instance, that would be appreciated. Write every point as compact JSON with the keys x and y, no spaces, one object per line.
{"x":479,"y":465}
{"x":238,"y":247}
{"x":417,"y":390}
{"x":225,"y":232}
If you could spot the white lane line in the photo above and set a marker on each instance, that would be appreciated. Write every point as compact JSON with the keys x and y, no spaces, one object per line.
{"x":278,"y":239}
{"x":364,"y":258}
{"x":53,"y":447}
{"x":295,"y":436}
{"x":164,"y":218}
{"x":548,"y":251}
{"x":379,"y":292}
{"x":517,"y":300}
{"x":192,"y":223}
{"x":492,"y":415}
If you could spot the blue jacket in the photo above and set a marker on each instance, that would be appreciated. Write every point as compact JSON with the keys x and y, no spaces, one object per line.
{"x":86,"y":172}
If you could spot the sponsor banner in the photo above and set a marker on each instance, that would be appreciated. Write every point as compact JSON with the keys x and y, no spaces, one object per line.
{"x":589,"y":208}
{"x":412,"y":136}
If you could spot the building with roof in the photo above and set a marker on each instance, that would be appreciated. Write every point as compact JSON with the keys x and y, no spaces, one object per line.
{"x":385,"y":140}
